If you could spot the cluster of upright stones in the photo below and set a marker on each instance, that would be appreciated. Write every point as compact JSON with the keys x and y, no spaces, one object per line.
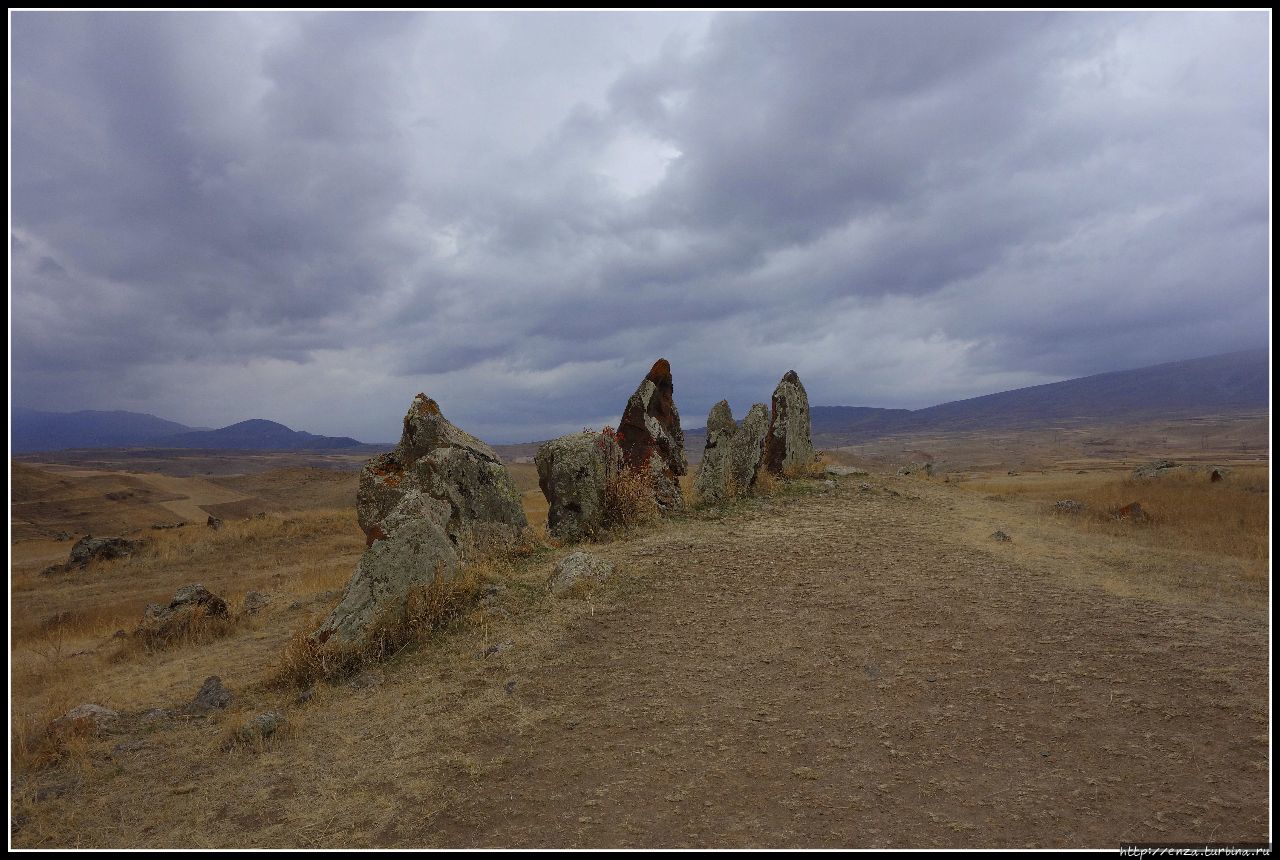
{"x":442,"y":494}
{"x":439,"y":496}
{"x":776,"y":440}
{"x":573,"y":471}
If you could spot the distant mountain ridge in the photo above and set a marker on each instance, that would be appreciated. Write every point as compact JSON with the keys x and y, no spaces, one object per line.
{"x":256,"y":434}
{"x":1229,"y":382}
{"x":33,"y":430}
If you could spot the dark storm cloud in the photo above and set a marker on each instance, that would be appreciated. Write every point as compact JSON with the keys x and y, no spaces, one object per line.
{"x":311,"y":217}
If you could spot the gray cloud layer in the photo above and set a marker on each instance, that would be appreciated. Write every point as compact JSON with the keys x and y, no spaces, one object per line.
{"x":312,"y":217}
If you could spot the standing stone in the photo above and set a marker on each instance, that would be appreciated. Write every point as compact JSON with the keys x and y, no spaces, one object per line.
{"x":439,"y":496}
{"x":572,"y":473}
{"x":787,"y":446}
{"x":651,"y":437}
{"x":714,"y":474}
{"x":747,"y":448}
{"x":442,"y":474}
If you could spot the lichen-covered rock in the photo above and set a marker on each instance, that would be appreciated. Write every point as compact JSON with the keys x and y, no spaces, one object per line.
{"x":255,"y":602}
{"x":191,"y":605}
{"x":1155,"y":468}
{"x":82,"y":719}
{"x":89,"y":549}
{"x":788,"y":447}
{"x":747,"y":448}
{"x":581,"y":569}
{"x":714,"y":474}
{"x":260,"y":727}
{"x":651,"y":437}
{"x":1132,"y":512}
{"x":414,"y":555}
{"x":572,"y":473}
{"x":211,"y":696}
{"x":443,"y":474}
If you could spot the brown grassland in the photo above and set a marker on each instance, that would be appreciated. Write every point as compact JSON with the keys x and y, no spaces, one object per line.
{"x":830,"y":662}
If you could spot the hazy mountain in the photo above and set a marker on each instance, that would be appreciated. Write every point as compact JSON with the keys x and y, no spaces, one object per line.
{"x":54,"y":431}
{"x":1218,"y":383}
{"x":255,"y":434}
{"x":33,"y":430}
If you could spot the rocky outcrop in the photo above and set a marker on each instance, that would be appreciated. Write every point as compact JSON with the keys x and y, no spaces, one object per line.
{"x":714,"y":473}
{"x":788,"y":447}
{"x":572,"y":474}
{"x":650,"y":435}
{"x":442,"y":474}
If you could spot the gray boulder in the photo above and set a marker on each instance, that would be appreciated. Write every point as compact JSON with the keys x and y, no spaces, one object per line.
{"x":788,"y":447}
{"x":190,"y":604}
{"x":84,"y":718}
{"x":1155,"y":468}
{"x":89,"y":549}
{"x":255,"y":602}
{"x":572,"y":473}
{"x":715,"y":472}
{"x":579,"y":568}
{"x":415,"y":555}
{"x":260,"y":727}
{"x":211,"y":696}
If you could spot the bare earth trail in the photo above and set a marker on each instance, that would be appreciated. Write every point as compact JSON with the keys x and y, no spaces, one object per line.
{"x":850,"y":670}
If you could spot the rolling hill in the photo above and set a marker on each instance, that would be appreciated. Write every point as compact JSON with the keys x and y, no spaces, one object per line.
{"x":33,"y":430}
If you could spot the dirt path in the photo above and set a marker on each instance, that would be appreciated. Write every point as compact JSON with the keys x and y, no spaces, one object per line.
{"x":845,"y":671}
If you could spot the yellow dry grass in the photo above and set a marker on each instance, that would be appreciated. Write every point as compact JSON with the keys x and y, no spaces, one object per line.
{"x":62,"y":648}
{"x":1185,"y":509}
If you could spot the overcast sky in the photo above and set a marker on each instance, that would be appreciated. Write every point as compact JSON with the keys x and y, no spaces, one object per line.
{"x":312,"y":217}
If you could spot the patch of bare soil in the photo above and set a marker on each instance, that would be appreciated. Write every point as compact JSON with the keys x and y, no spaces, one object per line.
{"x":853,"y":668}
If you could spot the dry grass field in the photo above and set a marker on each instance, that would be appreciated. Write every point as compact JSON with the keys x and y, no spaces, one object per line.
{"x":853,"y":663}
